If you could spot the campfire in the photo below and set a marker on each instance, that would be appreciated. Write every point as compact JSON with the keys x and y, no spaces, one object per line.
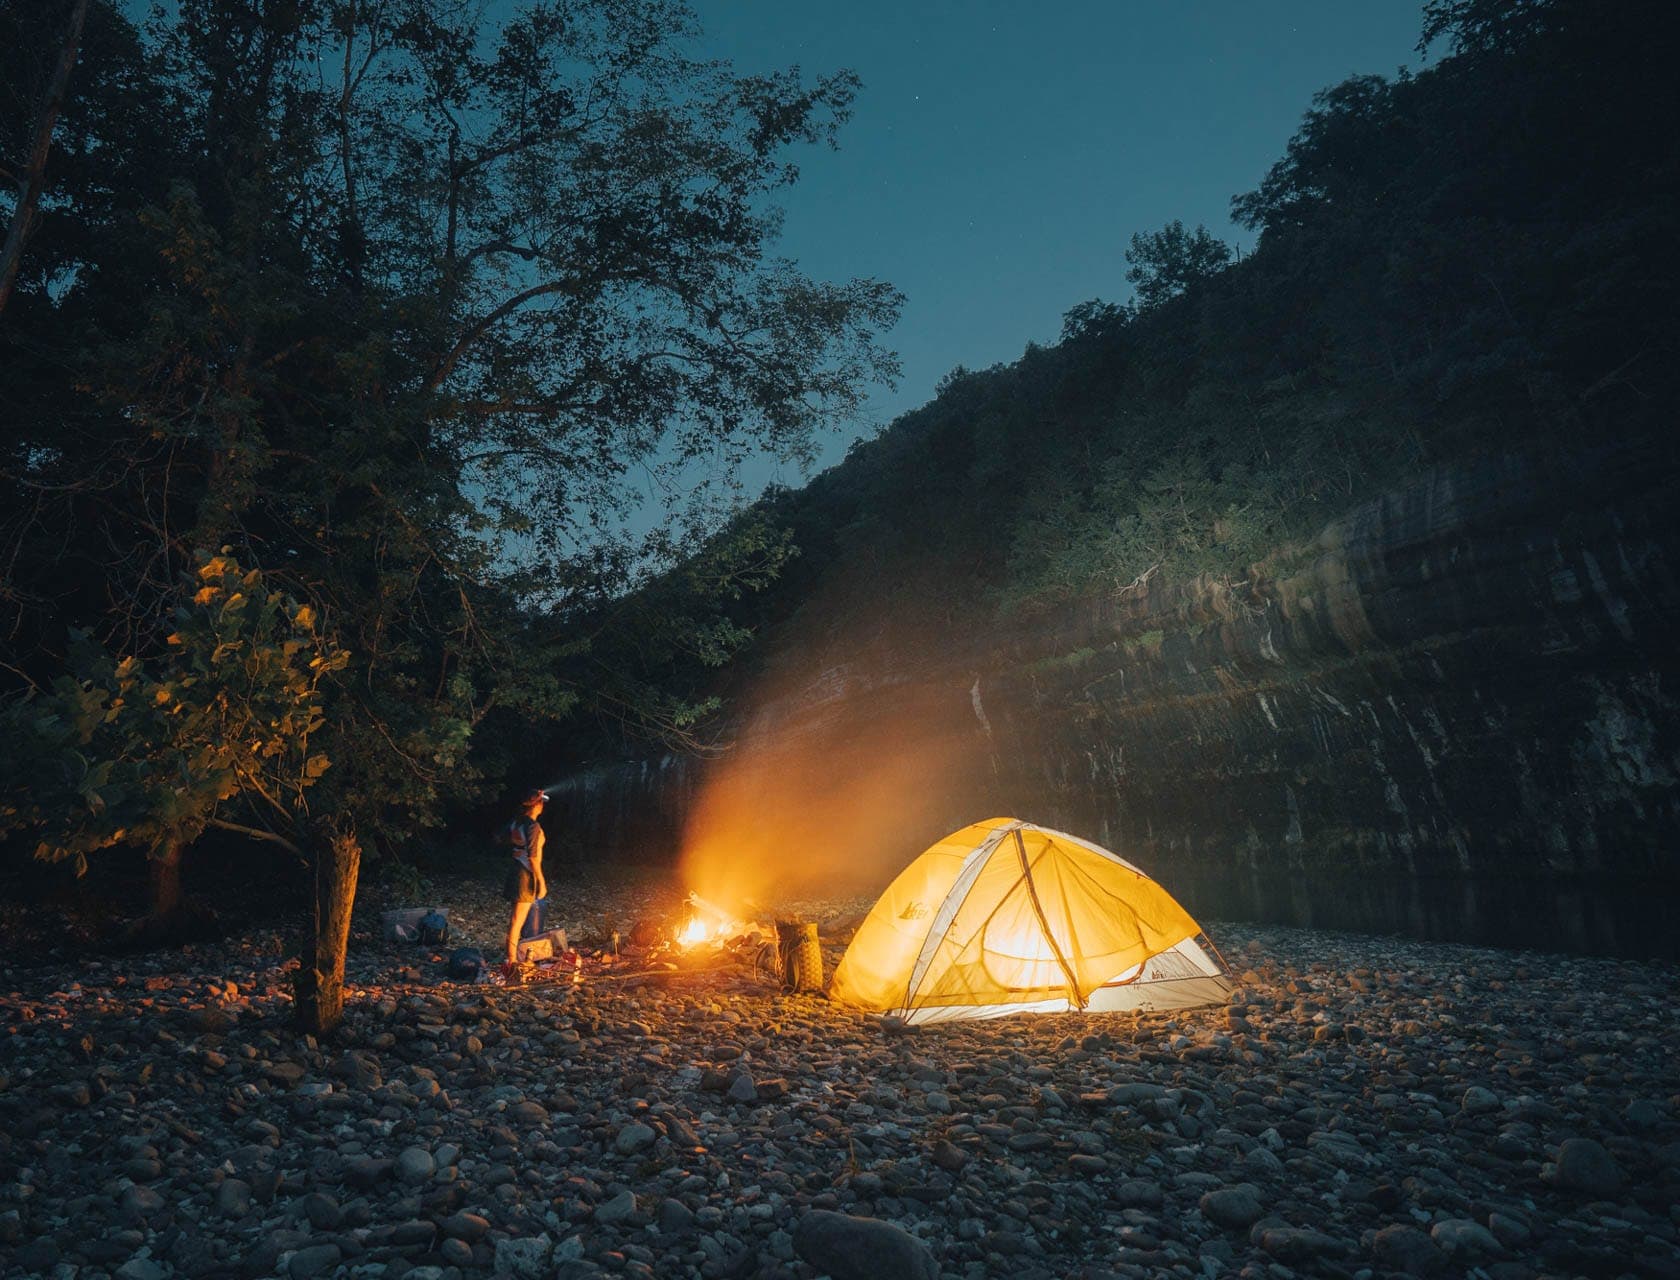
{"x":706,"y":924}
{"x":705,"y":933}
{"x":699,"y":937}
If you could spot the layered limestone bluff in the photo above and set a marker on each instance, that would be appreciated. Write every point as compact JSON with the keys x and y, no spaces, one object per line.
{"x":1452,"y":715}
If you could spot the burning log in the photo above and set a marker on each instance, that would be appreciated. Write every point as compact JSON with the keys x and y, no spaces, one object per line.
{"x":707,"y":922}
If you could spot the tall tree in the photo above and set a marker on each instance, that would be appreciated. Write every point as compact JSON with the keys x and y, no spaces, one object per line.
{"x":33,"y":176}
{"x":432,"y":295}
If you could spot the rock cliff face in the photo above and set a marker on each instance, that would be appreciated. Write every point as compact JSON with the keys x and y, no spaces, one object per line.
{"x":1453,"y":715}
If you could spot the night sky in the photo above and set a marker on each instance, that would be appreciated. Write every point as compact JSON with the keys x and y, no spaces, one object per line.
{"x":1002,"y":154}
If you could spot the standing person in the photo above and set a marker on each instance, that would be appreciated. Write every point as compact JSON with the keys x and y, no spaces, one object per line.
{"x":525,"y":882}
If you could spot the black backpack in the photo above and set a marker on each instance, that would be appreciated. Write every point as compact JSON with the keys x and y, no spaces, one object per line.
{"x":434,"y":929}
{"x":466,"y":964}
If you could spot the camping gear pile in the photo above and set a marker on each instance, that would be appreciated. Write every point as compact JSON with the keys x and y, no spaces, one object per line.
{"x":1001,"y":917}
{"x":547,"y":945}
{"x":698,"y":938}
{"x":428,"y":926}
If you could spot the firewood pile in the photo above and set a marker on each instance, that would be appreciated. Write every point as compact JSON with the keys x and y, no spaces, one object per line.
{"x":698,"y":938}
{"x":655,"y":949}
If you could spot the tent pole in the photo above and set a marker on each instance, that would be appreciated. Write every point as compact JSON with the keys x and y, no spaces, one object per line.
{"x":1038,"y":909}
{"x":1218,"y":954}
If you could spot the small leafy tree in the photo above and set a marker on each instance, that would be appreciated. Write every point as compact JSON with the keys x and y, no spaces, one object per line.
{"x":1164,"y":263}
{"x":219,"y":730}
{"x":1091,"y":319}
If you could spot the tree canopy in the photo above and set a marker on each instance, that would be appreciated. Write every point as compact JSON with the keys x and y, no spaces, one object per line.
{"x":1164,"y":263}
{"x":391,"y":303}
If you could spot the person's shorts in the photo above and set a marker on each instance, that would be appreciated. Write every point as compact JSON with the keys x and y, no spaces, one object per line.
{"x":520,"y":885}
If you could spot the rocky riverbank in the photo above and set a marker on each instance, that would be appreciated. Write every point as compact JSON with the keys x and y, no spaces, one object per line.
{"x":1364,"y":1106}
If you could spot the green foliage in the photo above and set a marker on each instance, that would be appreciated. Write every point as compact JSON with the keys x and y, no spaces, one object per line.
{"x":1064,"y":661}
{"x":227,"y":719}
{"x":404,"y":304}
{"x":1088,"y":320}
{"x":652,"y":655}
{"x":404,"y":879}
{"x":1164,"y":263}
{"x":1147,"y":641}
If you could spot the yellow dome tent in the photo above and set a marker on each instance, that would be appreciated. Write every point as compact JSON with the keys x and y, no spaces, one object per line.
{"x":1007,"y":917}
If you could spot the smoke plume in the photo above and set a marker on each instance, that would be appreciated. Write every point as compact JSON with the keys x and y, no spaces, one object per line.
{"x":832,"y":788}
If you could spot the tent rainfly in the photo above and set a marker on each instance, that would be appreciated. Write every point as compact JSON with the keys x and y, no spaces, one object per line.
{"x":1007,"y":917}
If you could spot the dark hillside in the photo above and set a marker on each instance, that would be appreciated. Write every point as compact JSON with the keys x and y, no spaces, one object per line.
{"x":1339,"y":584}
{"x":1472,"y":259}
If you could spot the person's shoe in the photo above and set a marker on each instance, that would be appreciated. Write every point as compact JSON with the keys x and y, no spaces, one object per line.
{"x":510,"y":973}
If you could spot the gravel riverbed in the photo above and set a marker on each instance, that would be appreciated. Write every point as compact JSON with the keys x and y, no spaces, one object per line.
{"x":1362,"y":1107}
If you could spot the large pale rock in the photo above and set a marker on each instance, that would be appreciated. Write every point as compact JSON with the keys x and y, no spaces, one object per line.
{"x":525,"y":1257}
{"x":675,"y":1217}
{"x":322,"y":1211}
{"x":850,"y":1248}
{"x":527,"y":1115}
{"x":1584,"y":1166}
{"x":948,"y":1156}
{"x":233,"y":1197}
{"x":317,"y":1259}
{"x":141,"y":1202}
{"x":1509,"y":1231}
{"x":1478,"y":1101}
{"x":1464,"y":1241}
{"x":1298,"y":1245}
{"x":1406,"y":1250}
{"x":1139,"y":1194}
{"x":617,"y":1209}
{"x":465,"y":1226}
{"x":457,"y":1253}
{"x":415,"y":1165}
{"x":1233,"y":1208}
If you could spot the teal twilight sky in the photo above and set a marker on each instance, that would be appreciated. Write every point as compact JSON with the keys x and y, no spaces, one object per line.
{"x":1002,"y":154}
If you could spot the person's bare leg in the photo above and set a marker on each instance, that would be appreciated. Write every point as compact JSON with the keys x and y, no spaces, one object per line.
{"x":520,"y":911}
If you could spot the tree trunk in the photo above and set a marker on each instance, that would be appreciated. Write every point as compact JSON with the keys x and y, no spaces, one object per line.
{"x":170,"y":920}
{"x":166,"y":882}
{"x":23,"y":216}
{"x":337,"y":860}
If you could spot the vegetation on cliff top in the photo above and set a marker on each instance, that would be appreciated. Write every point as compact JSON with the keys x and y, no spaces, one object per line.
{"x":1479,"y":256}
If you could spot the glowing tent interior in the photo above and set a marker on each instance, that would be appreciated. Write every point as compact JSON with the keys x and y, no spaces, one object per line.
{"x":1007,"y":917}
